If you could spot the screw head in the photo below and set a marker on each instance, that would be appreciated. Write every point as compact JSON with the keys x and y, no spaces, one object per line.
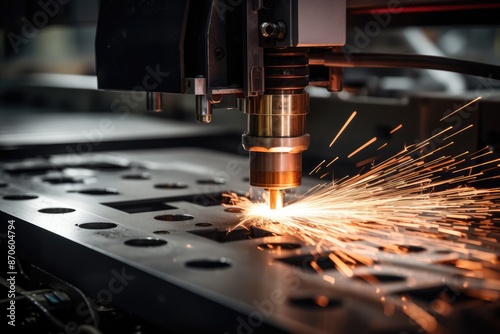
{"x":273,"y":30}
{"x":219,"y":53}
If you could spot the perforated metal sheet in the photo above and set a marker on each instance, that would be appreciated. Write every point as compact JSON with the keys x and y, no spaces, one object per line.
{"x":144,"y":230}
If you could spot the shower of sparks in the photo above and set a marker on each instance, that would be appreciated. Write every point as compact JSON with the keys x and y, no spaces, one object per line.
{"x":416,"y":197}
{"x":410,"y":190}
{"x":403,"y":192}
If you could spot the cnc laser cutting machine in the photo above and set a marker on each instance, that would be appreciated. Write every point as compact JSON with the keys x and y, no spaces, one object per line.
{"x":113,"y":210}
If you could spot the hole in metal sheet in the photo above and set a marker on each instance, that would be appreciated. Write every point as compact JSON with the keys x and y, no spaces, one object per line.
{"x":31,"y":169}
{"x":163,"y":203}
{"x":402,"y":249}
{"x":364,"y":223}
{"x":276,"y":246}
{"x":138,"y":176}
{"x":379,"y":278}
{"x":97,"y":226}
{"x":209,"y":264}
{"x":304,"y":262}
{"x":234,"y":235}
{"x":315,"y":301}
{"x":3,"y":184}
{"x":314,"y":262}
{"x":234,"y":210}
{"x":161,"y":232}
{"x":141,"y":206}
{"x":98,"y":191}
{"x":43,"y":168}
{"x":99,"y":165}
{"x":145,"y":242}
{"x":19,"y":197}
{"x":218,"y":180}
{"x":245,"y":179}
{"x":62,"y":180}
{"x":443,"y":251}
{"x":172,"y":185}
{"x":203,"y":224}
{"x":56,"y":210}
{"x":174,"y":217}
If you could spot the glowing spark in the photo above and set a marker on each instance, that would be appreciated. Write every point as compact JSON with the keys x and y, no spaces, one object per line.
{"x":321,"y":301}
{"x":362,"y":147}
{"x":343,"y":128}
{"x":481,"y":150}
{"x":426,"y":142}
{"x":424,"y":319}
{"x":331,"y":162}
{"x":316,"y":267}
{"x":341,"y":265}
{"x":478,"y":165}
{"x":456,"y":133}
{"x":462,"y":107}
{"x":366,"y":161}
{"x":317,"y":168}
{"x":381,"y":147}
{"x":329,"y":279}
{"x":481,"y":155}
{"x":322,"y":176}
{"x":396,"y":129}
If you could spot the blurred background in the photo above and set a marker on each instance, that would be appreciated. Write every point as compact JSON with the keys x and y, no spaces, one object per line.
{"x":49,"y":102}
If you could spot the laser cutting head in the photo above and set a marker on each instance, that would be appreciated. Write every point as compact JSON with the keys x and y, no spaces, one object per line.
{"x":276,"y":134}
{"x":276,"y":139}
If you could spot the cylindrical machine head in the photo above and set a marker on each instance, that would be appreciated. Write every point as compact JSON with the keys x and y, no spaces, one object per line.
{"x":276,"y":139}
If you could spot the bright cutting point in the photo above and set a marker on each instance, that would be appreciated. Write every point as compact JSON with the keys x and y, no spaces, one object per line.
{"x":276,"y":199}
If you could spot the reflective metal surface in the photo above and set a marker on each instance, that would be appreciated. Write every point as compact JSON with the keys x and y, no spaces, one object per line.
{"x":145,"y":231}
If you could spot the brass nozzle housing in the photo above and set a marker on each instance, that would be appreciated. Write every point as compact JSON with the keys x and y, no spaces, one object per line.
{"x":276,"y":139}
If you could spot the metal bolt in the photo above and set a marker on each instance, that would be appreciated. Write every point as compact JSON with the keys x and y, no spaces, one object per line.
{"x":273,"y":30}
{"x":268,"y":29}
{"x":219,"y":53}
